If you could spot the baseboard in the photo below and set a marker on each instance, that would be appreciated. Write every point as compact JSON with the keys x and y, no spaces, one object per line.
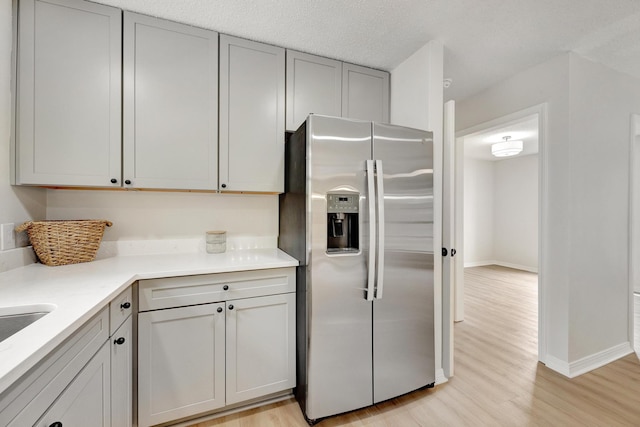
{"x":501,"y":264}
{"x":517,"y":266}
{"x":440,"y":378}
{"x":478,"y":263}
{"x":589,"y":363}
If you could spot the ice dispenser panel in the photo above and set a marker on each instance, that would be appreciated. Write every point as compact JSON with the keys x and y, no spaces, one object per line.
{"x":342,"y":222}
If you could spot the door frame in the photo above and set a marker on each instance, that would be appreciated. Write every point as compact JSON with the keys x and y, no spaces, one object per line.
{"x":541,"y":110}
{"x":634,"y":218}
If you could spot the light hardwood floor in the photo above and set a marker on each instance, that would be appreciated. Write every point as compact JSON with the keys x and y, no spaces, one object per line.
{"x":498,"y":381}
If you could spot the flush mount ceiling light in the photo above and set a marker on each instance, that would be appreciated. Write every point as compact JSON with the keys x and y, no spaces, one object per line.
{"x":506,"y":148}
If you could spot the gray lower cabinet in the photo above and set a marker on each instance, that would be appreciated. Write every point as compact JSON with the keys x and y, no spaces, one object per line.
{"x":180,"y":362}
{"x":259,"y":342}
{"x":213,"y":341}
{"x":86,"y":381}
{"x":87,"y":400}
{"x":252,"y":87}
{"x":121,"y":344}
{"x":365,"y":93}
{"x":170,"y":105}
{"x":68,"y":103}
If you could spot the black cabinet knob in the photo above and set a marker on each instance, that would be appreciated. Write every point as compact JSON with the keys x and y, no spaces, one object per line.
{"x":125,"y":305}
{"x":219,"y":310}
{"x":127,"y":181}
{"x":224,"y":186}
{"x":225,"y":287}
{"x":56,"y":424}
{"x":114,"y":181}
{"x":119,"y":341}
{"x":230,"y":306}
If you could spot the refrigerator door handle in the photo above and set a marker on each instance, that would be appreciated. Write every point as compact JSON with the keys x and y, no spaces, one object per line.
{"x":380,"y":233}
{"x":371,"y":198}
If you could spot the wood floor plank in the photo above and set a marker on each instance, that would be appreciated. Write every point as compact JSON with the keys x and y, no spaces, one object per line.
{"x":498,"y":380}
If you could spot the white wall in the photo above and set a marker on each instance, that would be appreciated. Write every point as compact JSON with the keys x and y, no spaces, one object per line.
{"x":147,"y":215}
{"x":417,"y":101}
{"x":478,"y":212}
{"x":501,"y":212}
{"x":585,"y":286}
{"x":515,"y":212}
{"x":17,"y":204}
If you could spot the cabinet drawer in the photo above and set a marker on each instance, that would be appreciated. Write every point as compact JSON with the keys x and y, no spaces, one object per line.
{"x":156,"y":294}
{"x":119,"y":309}
{"x":25,"y":402}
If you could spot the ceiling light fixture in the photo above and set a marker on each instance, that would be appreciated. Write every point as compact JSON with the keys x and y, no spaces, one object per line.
{"x":506,"y":148}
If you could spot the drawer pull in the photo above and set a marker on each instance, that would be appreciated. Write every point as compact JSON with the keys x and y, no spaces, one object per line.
{"x":125,"y":305}
{"x":119,"y":341}
{"x":56,"y":424}
{"x":225,"y":287}
{"x":230,"y":306}
{"x":219,"y":310}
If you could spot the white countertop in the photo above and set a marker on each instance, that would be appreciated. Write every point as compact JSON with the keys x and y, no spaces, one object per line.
{"x":80,"y":291}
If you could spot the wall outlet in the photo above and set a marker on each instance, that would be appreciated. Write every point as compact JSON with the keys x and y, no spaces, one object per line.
{"x":7,"y":236}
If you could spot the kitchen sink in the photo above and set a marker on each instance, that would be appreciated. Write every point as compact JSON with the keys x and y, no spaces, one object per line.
{"x":14,"y":319}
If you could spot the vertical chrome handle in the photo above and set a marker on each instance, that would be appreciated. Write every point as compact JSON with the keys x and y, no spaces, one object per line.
{"x":371,"y":190}
{"x":380,"y":237}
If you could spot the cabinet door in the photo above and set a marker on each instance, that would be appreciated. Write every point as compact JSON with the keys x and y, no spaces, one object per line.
{"x":251,"y":116}
{"x":180,"y":362}
{"x":365,"y":93}
{"x":170,"y":105}
{"x":314,"y":85}
{"x":86,"y":401}
{"x":122,"y":375}
{"x":261,"y":344}
{"x":68,"y":93}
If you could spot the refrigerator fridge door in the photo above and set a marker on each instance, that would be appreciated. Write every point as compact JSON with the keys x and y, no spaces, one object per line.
{"x":403,"y":329}
{"x":339,"y":365}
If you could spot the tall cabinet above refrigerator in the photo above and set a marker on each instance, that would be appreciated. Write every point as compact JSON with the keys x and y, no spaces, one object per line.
{"x":357,"y":213}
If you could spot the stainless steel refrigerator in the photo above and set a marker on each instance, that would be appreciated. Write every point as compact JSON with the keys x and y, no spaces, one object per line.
{"x":357,"y":213}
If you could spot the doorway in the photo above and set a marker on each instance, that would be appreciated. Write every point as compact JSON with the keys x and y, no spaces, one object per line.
{"x":501,"y":200}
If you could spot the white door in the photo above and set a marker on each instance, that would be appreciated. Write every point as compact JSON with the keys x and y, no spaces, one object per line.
{"x":450,"y":257}
{"x":365,"y":93}
{"x":170,"y":102}
{"x":252,"y":80}
{"x":86,"y":401}
{"x":261,"y":344}
{"x":122,"y":375}
{"x":68,"y":94}
{"x":180,"y":362}
{"x":314,"y":85}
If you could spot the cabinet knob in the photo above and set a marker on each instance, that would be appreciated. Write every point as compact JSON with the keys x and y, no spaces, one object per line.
{"x":224,"y":186}
{"x":56,"y":424}
{"x":119,"y":341}
{"x":219,"y":310}
{"x":127,"y":181}
{"x":230,"y":306}
{"x":114,"y":181}
{"x":125,"y":305}
{"x":225,"y":287}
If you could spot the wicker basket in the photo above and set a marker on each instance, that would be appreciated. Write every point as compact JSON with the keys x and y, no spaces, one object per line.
{"x":65,"y":242}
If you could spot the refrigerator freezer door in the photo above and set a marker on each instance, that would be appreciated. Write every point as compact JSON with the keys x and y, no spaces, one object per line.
{"x":339,"y":365}
{"x":403,"y":329}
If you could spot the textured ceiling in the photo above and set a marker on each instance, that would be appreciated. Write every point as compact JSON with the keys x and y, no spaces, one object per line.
{"x":478,"y":145}
{"x":485,"y":40}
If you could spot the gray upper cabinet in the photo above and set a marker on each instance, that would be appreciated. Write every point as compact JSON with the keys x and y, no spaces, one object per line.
{"x":365,"y":93}
{"x":314,"y":85}
{"x":68,"y":114}
{"x":252,"y":86}
{"x":170,"y":105}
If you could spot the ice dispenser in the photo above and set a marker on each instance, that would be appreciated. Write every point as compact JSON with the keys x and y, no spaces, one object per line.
{"x":342,"y":222}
